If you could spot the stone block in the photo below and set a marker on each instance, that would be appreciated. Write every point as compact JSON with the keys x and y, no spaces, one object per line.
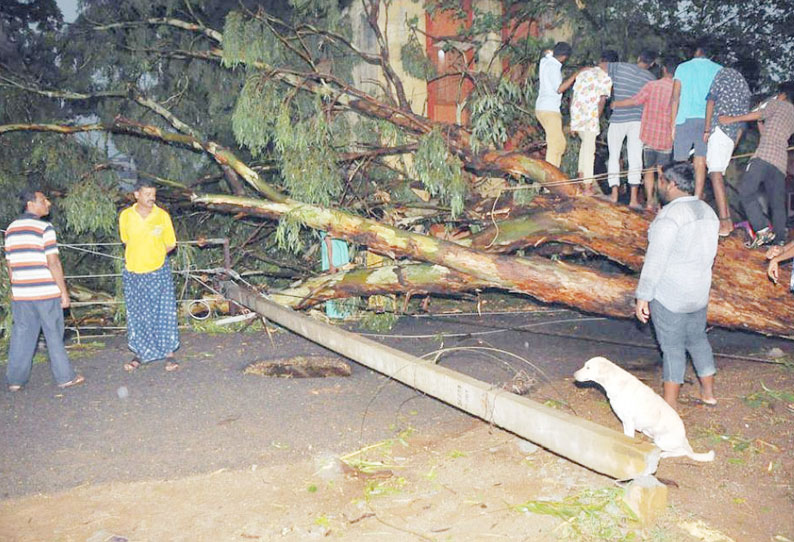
{"x":647,"y":497}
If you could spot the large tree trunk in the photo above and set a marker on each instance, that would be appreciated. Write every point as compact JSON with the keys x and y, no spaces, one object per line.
{"x":741,"y":298}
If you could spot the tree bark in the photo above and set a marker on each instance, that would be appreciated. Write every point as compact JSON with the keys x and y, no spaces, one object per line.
{"x":415,"y":279}
{"x":741,"y":298}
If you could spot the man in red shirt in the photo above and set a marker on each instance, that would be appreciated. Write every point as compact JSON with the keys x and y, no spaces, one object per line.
{"x":656,"y":129}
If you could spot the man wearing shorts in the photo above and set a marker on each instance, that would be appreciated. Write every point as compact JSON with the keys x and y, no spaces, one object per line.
{"x":656,"y":126}
{"x":691,"y":85}
{"x":768,"y":166}
{"x":729,"y":95}
{"x":674,"y":285}
{"x":625,"y":123}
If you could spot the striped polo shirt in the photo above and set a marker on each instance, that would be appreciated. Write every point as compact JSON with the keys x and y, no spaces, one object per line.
{"x":627,"y":80}
{"x":28,"y":242}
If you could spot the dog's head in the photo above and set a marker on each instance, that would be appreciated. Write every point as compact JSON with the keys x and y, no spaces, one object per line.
{"x":593,"y":369}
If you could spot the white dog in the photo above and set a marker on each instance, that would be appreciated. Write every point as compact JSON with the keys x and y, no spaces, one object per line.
{"x":640,"y":409}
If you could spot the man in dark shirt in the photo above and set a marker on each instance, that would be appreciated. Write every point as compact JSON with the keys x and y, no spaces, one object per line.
{"x":768,"y":165}
{"x":729,"y":95}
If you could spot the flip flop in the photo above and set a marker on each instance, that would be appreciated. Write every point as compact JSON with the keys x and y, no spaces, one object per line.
{"x":76,"y":381}
{"x":171,"y":366}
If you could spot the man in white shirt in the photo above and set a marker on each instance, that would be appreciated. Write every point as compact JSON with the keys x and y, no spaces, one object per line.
{"x":675,"y":281}
{"x":547,"y":106}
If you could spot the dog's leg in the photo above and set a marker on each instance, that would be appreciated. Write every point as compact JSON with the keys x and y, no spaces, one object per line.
{"x":628,"y":428}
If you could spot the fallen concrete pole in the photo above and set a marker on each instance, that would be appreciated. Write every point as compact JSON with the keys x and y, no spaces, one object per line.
{"x":591,"y":445}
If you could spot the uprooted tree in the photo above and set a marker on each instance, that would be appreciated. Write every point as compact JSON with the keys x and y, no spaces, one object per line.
{"x":274,"y":122}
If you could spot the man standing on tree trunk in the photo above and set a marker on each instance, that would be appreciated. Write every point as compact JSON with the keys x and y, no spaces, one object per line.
{"x":547,"y":106}
{"x":676,"y":278}
{"x":768,"y":166}
{"x":625,"y":124}
{"x":729,"y":95}
{"x":691,"y":84}
{"x":148,"y":235}
{"x":38,"y":294}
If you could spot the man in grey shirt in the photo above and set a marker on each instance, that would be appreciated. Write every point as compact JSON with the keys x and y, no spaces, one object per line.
{"x":676,"y":278}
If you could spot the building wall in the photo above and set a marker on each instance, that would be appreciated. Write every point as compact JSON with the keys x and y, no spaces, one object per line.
{"x":441,"y":100}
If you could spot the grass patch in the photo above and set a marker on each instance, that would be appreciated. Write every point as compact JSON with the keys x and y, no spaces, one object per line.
{"x":767,"y":397}
{"x":591,"y":515}
{"x":211,"y":328}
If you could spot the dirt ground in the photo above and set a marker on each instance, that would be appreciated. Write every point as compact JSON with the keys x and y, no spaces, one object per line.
{"x":209,"y":453}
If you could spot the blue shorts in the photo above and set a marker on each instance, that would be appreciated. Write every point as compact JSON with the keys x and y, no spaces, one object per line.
{"x":687,"y":135}
{"x":679,"y":333}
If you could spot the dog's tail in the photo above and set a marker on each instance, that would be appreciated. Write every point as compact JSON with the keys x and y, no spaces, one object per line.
{"x":708,"y":456}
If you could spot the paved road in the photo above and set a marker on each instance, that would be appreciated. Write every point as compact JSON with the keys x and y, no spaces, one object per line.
{"x":209,"y":415}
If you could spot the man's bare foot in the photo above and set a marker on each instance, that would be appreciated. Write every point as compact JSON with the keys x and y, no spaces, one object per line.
{"x":587,"y":190}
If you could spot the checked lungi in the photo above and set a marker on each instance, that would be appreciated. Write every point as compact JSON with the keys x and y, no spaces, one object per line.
{"x":152,"y":331}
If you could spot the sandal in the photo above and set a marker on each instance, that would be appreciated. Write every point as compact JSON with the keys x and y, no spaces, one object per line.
{"x":171,"y":365}
{"x":76,"y":381}
{"x":762,"y":237}
{"x":131,"y":365}
{"x":729,"y":220}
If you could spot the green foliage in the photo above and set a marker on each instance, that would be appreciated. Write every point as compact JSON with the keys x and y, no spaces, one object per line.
{"x":327,"y":11}
{"x":380,"y":322}
{"x":247,"y":41}
{"x":415,"y":62}
{"x":308,"y":161}
{"x":288,"y":233}
{"x":90,"y":207}
{"x":592,"y":515}
{"x":440,"y":171}
{"x":254,"y":115}
{"x":494,"y":114}
{"x":5,"y":295}
{"x":768,"y":397}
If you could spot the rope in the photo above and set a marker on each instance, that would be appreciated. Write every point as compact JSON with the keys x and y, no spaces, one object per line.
{"x":526,"y":329}
{"x":581,"y":180}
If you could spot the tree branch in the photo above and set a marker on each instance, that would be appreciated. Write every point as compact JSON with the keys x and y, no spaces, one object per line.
{"x":120,"y":125}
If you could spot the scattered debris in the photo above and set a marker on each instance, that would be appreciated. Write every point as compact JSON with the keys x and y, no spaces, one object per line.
{"x":520,"y":384}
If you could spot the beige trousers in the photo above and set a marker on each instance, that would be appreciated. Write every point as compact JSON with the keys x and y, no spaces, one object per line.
{"x":555,"y":139}
{"x":587,"y":155}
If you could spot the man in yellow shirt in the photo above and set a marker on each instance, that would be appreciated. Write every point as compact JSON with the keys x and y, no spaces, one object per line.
{"x":148,"y":235}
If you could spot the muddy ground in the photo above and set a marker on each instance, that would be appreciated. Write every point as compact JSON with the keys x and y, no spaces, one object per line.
{"x":210,"y":453}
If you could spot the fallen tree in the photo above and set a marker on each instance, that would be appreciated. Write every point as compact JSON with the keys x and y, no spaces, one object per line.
{"x":742,"y":296}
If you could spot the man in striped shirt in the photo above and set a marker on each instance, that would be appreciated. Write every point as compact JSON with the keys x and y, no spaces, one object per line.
{"x":655,"y":127}
{"x":38,"y":294}
{"x":625,"y":124}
